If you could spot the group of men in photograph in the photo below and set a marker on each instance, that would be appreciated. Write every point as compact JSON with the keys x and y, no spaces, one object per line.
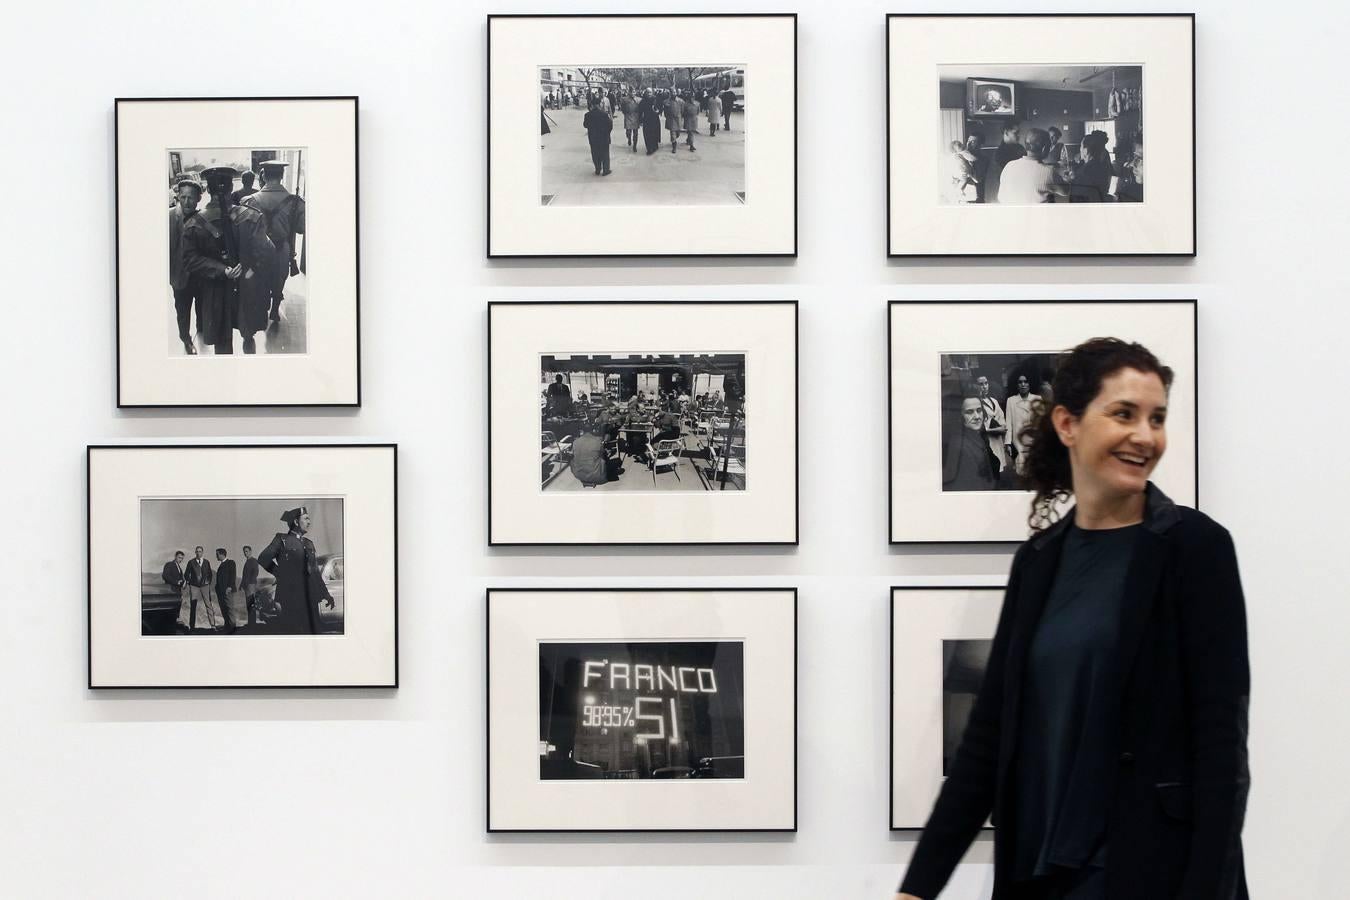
{"x":988,"y":451}
{"x":291,"y":608}
{"x":1035,"y":166}
{"x":645,"y":113}
{"x":230,"y":259}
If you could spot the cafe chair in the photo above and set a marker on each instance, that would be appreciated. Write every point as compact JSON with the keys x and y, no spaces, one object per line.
{"x":665,"y":453}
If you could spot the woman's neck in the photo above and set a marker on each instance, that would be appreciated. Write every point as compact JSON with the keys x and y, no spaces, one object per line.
{"x":1095,"y":511}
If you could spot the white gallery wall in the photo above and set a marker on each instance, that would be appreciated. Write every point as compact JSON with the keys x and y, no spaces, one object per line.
{"x":381,"y":793}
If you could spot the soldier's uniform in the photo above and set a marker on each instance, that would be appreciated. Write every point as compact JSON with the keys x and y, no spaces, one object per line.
{"x":224,"y":303}
{"x":284,"y":214}
{"x":300,"y":589}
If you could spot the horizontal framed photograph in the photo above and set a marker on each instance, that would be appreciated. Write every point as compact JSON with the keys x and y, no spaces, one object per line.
{"x":232,"y":215}
{"x":940,"y":643}
{"x":226,"y":565}
{"x":644,"y":709}
{"x":966,"y":378}
{"x":640,"y":413}
{"x":1036,"y":149}
{"x":597,"y":123}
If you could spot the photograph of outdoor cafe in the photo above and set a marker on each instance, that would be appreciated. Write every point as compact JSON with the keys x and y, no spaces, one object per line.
{"x":642,"y":422}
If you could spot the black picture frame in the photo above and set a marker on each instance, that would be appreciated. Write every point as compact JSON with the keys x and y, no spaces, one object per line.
{"x":487,"y":706}
{"x":1195,"y":224}
{"x":796,"y":414}
{"x":890,"y":481}
{"x":988,"y":827}
{"x":90,"y":449}
{"x":117,"y":247}
{"x":487,"y":181}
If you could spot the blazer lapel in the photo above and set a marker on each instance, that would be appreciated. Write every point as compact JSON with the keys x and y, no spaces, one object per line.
{"x":1031,"y":596}
{"x":1141,"y":591}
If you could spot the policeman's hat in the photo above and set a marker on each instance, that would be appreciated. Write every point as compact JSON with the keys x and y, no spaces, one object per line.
{"x":291,"y":515}
{"x":272,"y":164}
{"x":226,"y":174}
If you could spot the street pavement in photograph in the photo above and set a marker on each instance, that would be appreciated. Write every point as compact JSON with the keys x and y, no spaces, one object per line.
{"x":711,"y":175}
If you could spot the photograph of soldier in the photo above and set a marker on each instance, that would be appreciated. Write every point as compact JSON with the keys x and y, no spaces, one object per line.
{"x":293,"y":586}
{"x":987,"y":409}
{"x":580,"y":163}
{"x":237,"y":251}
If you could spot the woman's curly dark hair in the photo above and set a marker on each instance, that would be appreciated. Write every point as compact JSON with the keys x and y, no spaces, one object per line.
{"x":1078,"y":379}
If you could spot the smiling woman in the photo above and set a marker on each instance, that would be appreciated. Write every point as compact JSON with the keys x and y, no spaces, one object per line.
{"x":1108,"y":739}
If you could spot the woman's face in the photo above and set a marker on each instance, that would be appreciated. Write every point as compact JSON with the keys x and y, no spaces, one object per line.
{"x":972,"y":415}
{"x":1117,"y":442}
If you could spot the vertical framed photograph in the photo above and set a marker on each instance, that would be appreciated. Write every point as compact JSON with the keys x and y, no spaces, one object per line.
{"x":226,"y":565}
{"x":599,"y":125}
{"x":940,"y":643}
{"x":237,"y":252}
{"x":967,"y":378}
{"x":645,"y":709}
{"x":639,"y":411}
{"x":1024,"y":134}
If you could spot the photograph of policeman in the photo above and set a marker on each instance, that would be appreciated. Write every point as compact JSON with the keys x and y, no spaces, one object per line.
{"x":240,"y":287}
{"x":641,"y":709}
{"x":277,"y":566}
{"x":963,"y":665}
{"x":1029,"y":134}
{"x":642,"y":421}
{"x":988,"y":402}
{"x":669,"y":135}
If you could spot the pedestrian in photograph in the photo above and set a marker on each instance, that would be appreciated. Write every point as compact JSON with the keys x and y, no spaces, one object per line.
{"x":598,"y":125}
{"x":631,"y":120}
{"x":1008,"y":150}
{"x":248,"y":190}
{"x":728,"y":104}
{"x":674,"y":110}
{"x":690,"y":120}
{"x":649,"y":113}
{"x":284,"y":215}
{"x":291,"y":557}
{"x":1108,"y":740}
{"x":248,"y":585}
{"x":967,"y":464}
{"x":198,"y":574}
{"x":180,"y":279}
{"x":225,"y":575}
{"x":227,"y":253}
{"x":714,"y":113}
{"x":175,"y":576}
{"x":1092,"y":174}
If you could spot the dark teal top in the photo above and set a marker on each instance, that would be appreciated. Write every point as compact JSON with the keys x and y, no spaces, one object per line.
{"x":1066,"y":753}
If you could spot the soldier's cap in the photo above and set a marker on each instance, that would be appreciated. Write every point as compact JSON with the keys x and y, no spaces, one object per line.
{"x":291,"y":515}
{"x":272,"y":164}
{"x":219,"y":173}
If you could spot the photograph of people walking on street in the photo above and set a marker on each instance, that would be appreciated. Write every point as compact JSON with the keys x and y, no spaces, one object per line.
{"x":1021,"y":135}
{"x":641,"y":709}
{"x":989,"y":401}
{"x":671,"y":135}
{"x":242,"y":566}
{"x":642,"y":421}
{"x":237,"y":279}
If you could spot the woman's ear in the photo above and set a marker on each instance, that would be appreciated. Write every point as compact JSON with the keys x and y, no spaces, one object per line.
{"x":1065,"y":424}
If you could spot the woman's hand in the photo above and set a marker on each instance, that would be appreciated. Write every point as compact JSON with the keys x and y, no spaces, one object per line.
{"x":906,"y":897}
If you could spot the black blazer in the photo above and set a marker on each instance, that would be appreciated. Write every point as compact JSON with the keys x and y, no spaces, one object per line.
{"x":1174,"y":829}
{"x":198,"y":573}
{"x":172,"y":577}
{"x":225,"y":577}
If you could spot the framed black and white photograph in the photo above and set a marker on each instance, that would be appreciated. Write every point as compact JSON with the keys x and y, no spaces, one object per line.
{"x":648,"y":143}
{"x":237,"y":262}
{"x":1037,"y":150}
{"x":227,"y":565}
{"x":644,"y":709}
{"x":967,"y":379}
{"x":941,"y":638}
{"x":641,"y":415}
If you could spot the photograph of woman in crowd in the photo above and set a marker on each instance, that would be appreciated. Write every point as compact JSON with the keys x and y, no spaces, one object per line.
{"x":1109,"y":736}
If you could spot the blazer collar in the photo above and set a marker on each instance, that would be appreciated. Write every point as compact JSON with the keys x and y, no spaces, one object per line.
{"x":1160,"y":514}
